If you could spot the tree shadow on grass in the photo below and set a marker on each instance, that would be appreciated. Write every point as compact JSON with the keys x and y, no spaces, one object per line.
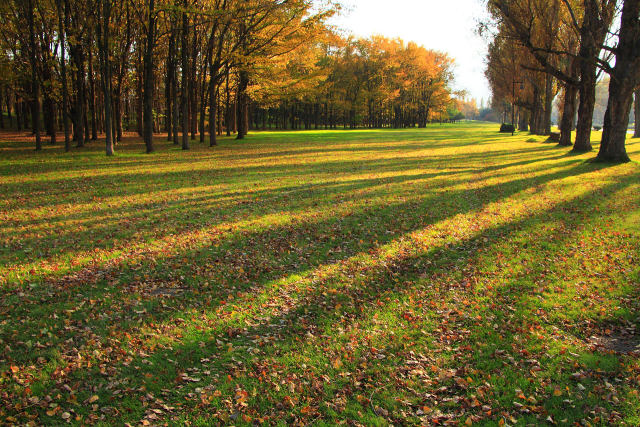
{"x":536,"y":327}
{"x":144,"y":221}
{"x":348,"y":296}
{"x":155,"y":219}
{"x":207,"y":274}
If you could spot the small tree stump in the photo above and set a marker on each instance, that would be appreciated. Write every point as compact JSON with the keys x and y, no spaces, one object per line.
{"x":554,"y":137}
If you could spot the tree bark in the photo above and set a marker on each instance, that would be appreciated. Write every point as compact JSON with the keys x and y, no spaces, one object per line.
{"x":169,"y":86}
{"x":139,"y":96}
{"x":569,"y":106}
{"x":548,"y":104}
{"x":568,"y":114}
{"x":8,"y":103}
{"x":105,"y":65}
{"x":78,"y":109}
{"x":523,"y":125}
{"x":193,"y":90}
{"x":148,"y":79}
{"x":227,"y":114}
{"x":595,"y":26}
{"x":213,"y":112}
{"x":614,"y":132}
{"x":92,"y":97}
{"x":19,"y":118}
{"x":35,"y":85}
{"x":184,"y":95}
{"x":175,"y":106}
{"x":624,"y":80}
{"x":242,"y":104}
{"x":587,"y":93}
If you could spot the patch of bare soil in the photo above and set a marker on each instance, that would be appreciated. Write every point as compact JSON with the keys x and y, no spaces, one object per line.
{"x":624,"y":341}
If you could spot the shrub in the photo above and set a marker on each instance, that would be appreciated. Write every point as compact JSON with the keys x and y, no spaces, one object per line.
{"x":507,"y":128}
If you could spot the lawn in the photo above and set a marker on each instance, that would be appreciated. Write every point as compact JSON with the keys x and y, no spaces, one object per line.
{"x":423,"y":276}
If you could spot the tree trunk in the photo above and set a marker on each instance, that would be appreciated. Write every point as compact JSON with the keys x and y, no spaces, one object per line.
{"x":568,"y":114}
{"x":193,"y":90}
{"x":148,"y":79}
{"x":624,"y":80}
{"x":49,"y":114}
{"x":85,"y":116}
{"x":536,"y":112}
{"x":62,"y":28}
{"x":548,"y":104}
{"x":105,"y":65}
{"x":18,"y":115}
{"x":614,"y":133}
{"x":139,"y":102}
{"x":117,"y":116}
{"x":213,"y":110}
{"x":592,"y":36}
{"x":184,"y":95}
{"x":8,"y":103}
{"x":78,"y":113}
{"x":35,"y":85}
{"x":175,"y":106}
{"x":169,"y":86}
{"x":92,"y":98}
{"x":523,"y":125}
{"x":242,"y":104}
{"x":203,"y":103}
{"x":587,"y":93}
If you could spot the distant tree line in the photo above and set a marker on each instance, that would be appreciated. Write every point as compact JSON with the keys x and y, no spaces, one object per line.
{"x":196,"y":69}
{"x":542,"y":48}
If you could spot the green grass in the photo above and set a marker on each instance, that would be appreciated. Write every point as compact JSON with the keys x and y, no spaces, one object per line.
{"x":451,"y":274}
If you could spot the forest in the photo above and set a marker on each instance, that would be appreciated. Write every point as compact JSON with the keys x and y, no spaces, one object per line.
{"x":196,"y":69}
{"x":544,"y":48}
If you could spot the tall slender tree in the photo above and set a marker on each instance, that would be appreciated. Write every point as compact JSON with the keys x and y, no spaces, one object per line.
{"x":104,"y":52}
{"x":184,"y":92}
{"x":35,"y":79}
{"x":149,"y":83}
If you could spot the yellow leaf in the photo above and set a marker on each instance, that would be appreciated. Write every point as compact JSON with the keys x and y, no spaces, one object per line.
{"x":94,"y":398}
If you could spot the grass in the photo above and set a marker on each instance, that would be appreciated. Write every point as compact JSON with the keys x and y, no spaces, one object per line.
{"x":451,"y":274}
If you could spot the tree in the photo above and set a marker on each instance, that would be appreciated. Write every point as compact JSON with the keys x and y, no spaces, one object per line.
{"x":184,"y":93}
{"x":35,"y":83}
{"x":105,"y":7}
{"x":625,"y":78}
{"x":149,"y":82}
{"x":528,"y":22}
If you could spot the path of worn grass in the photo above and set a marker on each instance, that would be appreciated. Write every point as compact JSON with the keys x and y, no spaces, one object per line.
{"x":412,"y":277}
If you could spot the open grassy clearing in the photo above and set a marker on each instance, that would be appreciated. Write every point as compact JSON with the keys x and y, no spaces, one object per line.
{"x":371,"y":277}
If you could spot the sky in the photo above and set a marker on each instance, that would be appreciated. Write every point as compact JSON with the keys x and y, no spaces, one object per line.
{"x":444,"y":25}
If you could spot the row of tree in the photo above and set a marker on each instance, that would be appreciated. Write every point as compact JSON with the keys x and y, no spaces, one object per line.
{"x":542,"y":48}
{"x":198,"y":68}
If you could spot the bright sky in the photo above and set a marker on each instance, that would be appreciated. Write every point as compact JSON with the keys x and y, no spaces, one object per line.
{"x":447,"y":26}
